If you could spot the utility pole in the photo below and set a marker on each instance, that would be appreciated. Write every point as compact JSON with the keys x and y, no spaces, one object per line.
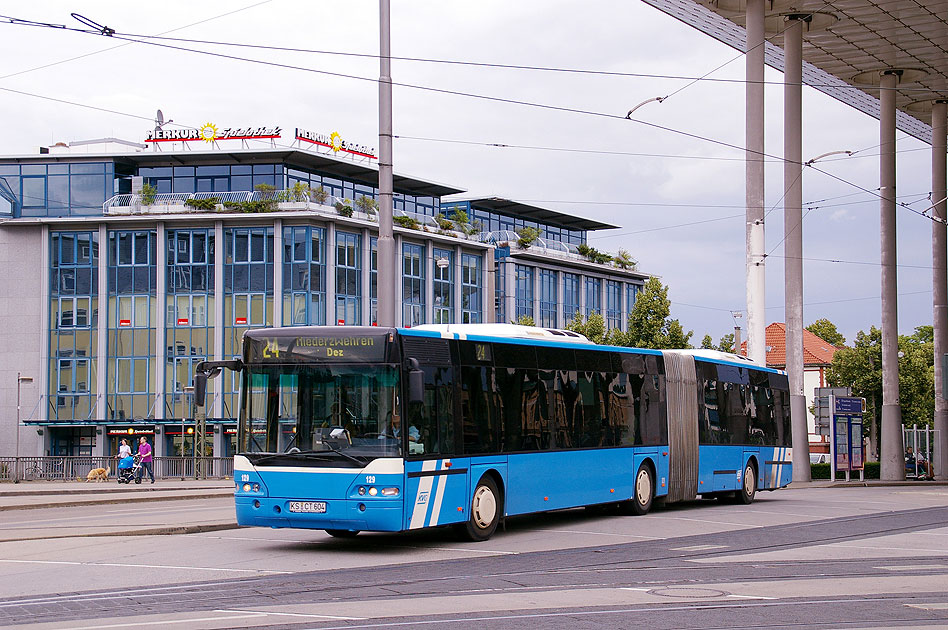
{"x":387,"y":260}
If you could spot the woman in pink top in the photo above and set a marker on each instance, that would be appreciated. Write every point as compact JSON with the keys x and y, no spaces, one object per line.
{"x":144,"y":451}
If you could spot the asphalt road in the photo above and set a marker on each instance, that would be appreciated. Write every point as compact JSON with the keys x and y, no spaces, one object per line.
{"x":799,"y":558}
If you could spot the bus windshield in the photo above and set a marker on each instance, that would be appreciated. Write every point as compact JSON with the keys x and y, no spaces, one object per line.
{"x":300,"y":412}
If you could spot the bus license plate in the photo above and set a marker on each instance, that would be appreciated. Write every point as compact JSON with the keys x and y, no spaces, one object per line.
{"x":312,"y":507}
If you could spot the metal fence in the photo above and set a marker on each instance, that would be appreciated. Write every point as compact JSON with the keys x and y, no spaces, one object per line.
{"x":76,"y":468}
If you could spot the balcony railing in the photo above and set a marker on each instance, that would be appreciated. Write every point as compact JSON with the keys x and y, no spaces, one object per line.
{"x":75,"y":468}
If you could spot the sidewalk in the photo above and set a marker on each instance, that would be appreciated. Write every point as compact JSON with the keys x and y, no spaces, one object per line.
{"x":43,"y":494}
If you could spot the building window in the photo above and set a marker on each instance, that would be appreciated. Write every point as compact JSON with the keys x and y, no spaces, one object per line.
{"x":548,"y":302}
{"x":593,"y":296}
{"x":413,"y":284}
{"x":443,"y":286}
{"x":304,"y":276}
{"x":348,"y":279}
{"x":524,"y":299}
{"x":571,"y":304}
{"x":471,"y":310}
{"x":248,"y":292}
{"x":631,"y":294}
{"x":613,"y":304}
{"x":73,"y":334}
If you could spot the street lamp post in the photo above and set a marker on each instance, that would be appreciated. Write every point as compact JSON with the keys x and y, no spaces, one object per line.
{"x":16,"y":460}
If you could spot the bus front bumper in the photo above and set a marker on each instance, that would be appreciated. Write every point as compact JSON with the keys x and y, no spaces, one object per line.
{"x":369,"y":514}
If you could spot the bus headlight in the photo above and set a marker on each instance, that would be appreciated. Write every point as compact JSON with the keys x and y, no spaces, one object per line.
{"x":389,"y":492}
{"x":373,"y":491}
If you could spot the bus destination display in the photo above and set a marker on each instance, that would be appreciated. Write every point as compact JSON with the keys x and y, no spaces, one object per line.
{"x":343,"y":348}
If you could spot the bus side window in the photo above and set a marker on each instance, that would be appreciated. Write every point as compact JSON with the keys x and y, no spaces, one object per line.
{"x":480,"y":420}
{"x":430,"y":424}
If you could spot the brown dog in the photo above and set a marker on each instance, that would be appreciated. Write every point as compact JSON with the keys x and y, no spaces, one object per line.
{"x":98,"y":474}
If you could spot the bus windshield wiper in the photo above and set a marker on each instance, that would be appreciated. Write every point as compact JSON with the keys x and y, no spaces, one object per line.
{"x":360,"y":462}
{"x":294,"y":455}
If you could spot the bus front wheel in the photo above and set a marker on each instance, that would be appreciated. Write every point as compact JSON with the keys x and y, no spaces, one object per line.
{"x":485,"y":511}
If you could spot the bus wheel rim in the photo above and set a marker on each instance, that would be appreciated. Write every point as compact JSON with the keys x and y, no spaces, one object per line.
{"x":643,"y":487}
{"x":749,"y":480}
{"x":485,"y":507}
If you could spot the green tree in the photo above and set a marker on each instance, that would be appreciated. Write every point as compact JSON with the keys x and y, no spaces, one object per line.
{"x":726,"y":343}
{"x":524,"y":320}
{"x":826,"y":330}
{"x":860,"y":368}
{"x":707,"y":343}
{"x":649,"y":323}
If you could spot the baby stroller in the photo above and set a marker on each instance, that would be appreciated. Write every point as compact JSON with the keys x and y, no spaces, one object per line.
{"x":128,"y":468}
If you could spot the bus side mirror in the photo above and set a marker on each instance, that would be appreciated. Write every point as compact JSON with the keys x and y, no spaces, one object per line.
{"x":200,"y":389}
{"x":416,"y":382}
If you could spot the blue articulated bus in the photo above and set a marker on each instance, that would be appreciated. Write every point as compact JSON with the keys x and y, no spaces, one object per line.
{"x":352,"y":429}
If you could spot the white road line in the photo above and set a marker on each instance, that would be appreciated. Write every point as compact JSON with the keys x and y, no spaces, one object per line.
{"x":141,"y":566}
{"x":165,"y":622}
{"x":285,"y":614}
{"x":576,"y":531}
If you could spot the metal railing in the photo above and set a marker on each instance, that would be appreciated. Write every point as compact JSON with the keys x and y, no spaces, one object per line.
{"x":77,"y":467}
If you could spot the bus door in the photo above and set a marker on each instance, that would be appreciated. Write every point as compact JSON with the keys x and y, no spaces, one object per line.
{"x":436,"y":484}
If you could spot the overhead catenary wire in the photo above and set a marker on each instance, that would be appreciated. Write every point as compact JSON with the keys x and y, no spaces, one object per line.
{"x":111,"y":33}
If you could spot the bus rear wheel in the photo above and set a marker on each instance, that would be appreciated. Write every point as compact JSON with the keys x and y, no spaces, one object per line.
{"x":643,"y":493}
{"x":342,"y":533}
{"x":749,"y":487}
{"x":486,"y":509}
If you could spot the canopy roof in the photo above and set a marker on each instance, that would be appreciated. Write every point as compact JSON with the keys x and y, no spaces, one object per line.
{"x":848,"y":45}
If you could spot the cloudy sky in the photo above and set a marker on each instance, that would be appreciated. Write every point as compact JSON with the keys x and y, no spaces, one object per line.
{"x":679,"y":200}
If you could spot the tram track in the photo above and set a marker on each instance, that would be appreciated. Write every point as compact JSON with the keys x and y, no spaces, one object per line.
{"x":548,"y":571}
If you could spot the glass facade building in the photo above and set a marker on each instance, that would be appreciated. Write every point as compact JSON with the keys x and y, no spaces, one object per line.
{"x":138,"y":294}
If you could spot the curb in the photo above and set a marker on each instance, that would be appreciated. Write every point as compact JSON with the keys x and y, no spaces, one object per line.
{"x":154,"y":531}
{"x":115,"y":500}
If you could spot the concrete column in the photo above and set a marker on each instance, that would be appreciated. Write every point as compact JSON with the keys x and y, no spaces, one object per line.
{"x":754,"y":173}
{"x":940,"y":280}
{"x":793,"y":240}
{"x":510,"y":300}
{"x":217,"y":406}
{"x":331,"y":275}
{"x":427,"y":274}
{"x":278,"y":273}
{"x":892,"y":463}
{"x":456,"y":287}
{"x":535,"y":285}
{"x":161,"y":319}
{"x":489,"y":287}
{"x":102,"y":328}
{"x":366,"y":276}
{"x":560,"y":320}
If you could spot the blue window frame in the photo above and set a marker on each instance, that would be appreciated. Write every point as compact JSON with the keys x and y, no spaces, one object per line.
{"x":73,"y":334}
{"x":593,"y":296}
{"x":374,"y":282}
{"x":304,"y":276}
{"x":471,"y":284}
{"x":348,"y":279}
{"x":132,"y":364}
{"x":547,"y":280}
{"x":631,"y":294}
{"x":189,"y":314}
{"x":443,"y":275}
{"x":413,"y":284}
{"x":613,"y":304}
{"x":524,"y":298}
{"x":571,"y":303}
